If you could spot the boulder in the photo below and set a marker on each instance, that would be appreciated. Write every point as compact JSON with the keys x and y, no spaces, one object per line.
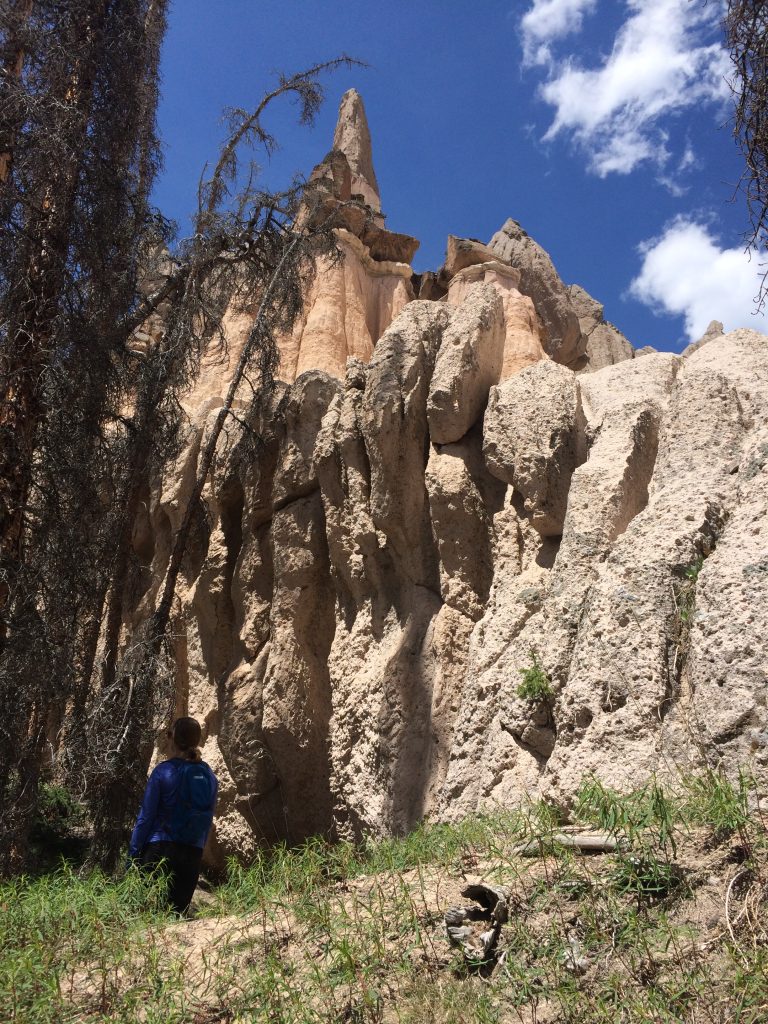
{"x":468,"y":363}
{"x":522,"y":343}
{"x":464,"y":252}
{"x":534,"y":438}
{"x":462,"y":499}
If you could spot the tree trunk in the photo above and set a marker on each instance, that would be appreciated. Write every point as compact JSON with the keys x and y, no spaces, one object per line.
{"x":13,"y":65}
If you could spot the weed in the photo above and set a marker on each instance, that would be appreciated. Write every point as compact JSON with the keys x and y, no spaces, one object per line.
{"x":684,"y":596}
{"x":644,"y":876}
{"x":647,"y":810}
{"x":535,"y":686}
{"x":711,"y":799}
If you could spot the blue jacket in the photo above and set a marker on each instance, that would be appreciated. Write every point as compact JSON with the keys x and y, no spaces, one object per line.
{"x":157,"y":806}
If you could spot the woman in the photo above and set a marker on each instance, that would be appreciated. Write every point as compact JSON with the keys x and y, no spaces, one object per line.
{"x":176,"y":815}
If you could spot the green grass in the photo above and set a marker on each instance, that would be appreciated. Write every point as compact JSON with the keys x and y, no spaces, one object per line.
{"x":329,"y":933}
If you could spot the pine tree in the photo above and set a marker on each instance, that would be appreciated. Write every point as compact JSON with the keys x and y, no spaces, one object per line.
{"x":78,"y":154}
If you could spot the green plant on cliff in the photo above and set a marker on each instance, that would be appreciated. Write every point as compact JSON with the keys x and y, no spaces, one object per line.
{"x":684,"y":596}
{"x":535,"y":686}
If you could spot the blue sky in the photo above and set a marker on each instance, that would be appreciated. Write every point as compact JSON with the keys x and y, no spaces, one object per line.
{"x":602,"y":126}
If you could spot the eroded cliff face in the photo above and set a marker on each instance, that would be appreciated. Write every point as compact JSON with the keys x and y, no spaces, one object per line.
{"x":442,"y":488}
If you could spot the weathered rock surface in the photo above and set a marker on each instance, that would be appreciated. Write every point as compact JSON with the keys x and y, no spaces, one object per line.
{"x":351,"y":301}
{"x":353,"y":138}
{"x":353,"y":624}
{"x":605,"y":344}
{"x":534,"y":438}
{"x":349,"y":306}
{"x":714,"y":330}
{"x":561,"y":334}
{"x":434,"y":499}
{"x":468,"y":364}
{"x":522,"y":341}
{"x":461,"y":253}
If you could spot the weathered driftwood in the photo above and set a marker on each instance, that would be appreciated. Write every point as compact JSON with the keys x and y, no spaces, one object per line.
{"x":586,"y":842}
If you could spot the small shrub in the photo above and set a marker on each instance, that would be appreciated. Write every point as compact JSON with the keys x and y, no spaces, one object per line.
{"x":60,"y":829}
{"x":58,"y":810}
{"x":644,"y":876}
{"x":535,"y":685}
{"x":686,"y":597}
{"x":645,"y":815}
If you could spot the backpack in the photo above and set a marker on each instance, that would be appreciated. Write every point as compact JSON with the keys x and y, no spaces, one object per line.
{"x":193,"y":809}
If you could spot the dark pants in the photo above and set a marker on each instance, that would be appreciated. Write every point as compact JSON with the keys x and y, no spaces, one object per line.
{"x":181,"y":864}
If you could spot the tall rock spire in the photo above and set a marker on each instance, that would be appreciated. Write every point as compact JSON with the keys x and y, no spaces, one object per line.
{"x":353,"y":138}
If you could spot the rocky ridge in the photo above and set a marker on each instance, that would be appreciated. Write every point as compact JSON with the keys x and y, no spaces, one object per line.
{"x":462,"y":472}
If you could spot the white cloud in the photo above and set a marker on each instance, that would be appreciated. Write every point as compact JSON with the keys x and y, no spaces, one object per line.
{"x":685,"y":272}
{"x":672,"y":182}
{"x":548,"y":20}
{"x":663,"y":61}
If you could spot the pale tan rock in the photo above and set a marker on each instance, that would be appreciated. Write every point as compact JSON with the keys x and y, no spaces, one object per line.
{"x":296,"y":694}
{"x":329,"y":201}
{"x":605,"y":344}
{"x":396,"y":656}
{"x":715,"y":330}
{"x":351,"y":301}
{"x":462,"y":500}
{"x":560,"y":334}
{"x":534,"y":438}
{"x":428,"y":286}
{"x":522,"y":343}
{"x":632,"y":607}
{"x":305,"y":404}
{"x":537,"y":600}
{"x":388,"y":246}
{"x":356,"y":653}
{"x":721,"y":706}
{"x":464,"y":252}
{"x":343,"y":469}
{"x":468,"y":363}
{"x":394,"y":427}
{"x":334,"y":175}
{"x":353,"y":138}
{"x":588,"y":310}
{"x":349,"y":306}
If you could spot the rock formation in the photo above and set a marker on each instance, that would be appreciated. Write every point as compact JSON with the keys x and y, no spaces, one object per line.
{"x":605,"y":344}
{"x":561,"y":335}
{"x":436,"y":498}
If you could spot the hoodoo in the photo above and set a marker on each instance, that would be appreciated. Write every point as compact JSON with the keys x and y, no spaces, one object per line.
{"x":353,"y":138}
{"x":460,"y":474}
